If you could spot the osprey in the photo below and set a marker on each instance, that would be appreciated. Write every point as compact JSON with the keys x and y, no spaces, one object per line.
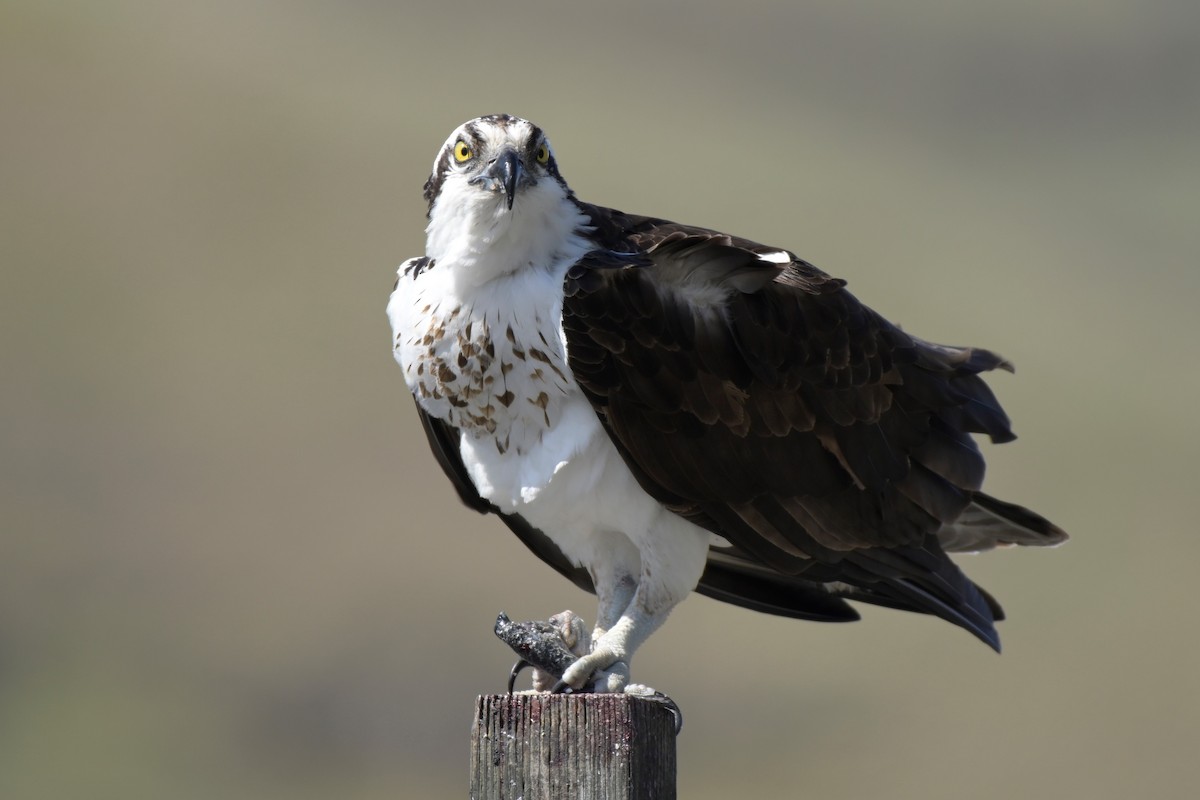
{"x":656,"y":408}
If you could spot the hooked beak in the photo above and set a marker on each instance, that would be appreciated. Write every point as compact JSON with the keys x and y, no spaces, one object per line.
{"x":503,"y":174}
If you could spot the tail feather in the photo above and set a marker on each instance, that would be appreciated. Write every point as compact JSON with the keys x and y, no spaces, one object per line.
{"x":988,"y":523}
{"x":973,"y":610}
{"x":924,"y":579}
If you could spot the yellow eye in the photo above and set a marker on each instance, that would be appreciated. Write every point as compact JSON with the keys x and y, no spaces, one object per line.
{"x":463,"y":152}
{"x":543,"y":154}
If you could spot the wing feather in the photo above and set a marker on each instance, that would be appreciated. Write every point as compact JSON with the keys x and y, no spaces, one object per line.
{"x":751,"y":393}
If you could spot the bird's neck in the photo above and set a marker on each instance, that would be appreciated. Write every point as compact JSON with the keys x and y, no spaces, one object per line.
{"x":483,"y":241}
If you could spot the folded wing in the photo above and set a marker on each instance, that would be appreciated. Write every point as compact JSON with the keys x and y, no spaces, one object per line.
{"x":752,"y":394}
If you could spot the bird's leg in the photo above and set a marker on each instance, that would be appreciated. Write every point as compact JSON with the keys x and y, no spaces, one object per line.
{"x":615,"y":587}
{"x":607,"y":666}
{"x":668,"y":566}
{"x":614,"y":565}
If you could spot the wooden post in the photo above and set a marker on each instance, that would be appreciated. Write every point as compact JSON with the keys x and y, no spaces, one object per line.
{"x":577,"y":746}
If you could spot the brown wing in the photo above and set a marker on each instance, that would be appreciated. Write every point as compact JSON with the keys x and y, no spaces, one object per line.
{"x":764,"y":402}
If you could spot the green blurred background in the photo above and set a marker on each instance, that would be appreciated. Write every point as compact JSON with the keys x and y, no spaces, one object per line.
{"x":229,"y":566}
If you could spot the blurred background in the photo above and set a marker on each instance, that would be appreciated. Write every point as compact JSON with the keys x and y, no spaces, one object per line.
{"x":229,"y":566}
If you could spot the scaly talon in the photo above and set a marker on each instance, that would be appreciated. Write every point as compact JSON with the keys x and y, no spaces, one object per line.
{"x":516,"y":670}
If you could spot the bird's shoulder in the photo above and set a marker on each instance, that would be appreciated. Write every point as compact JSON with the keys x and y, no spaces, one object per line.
{"x":693,"y":254}
{"x":702,"y":301}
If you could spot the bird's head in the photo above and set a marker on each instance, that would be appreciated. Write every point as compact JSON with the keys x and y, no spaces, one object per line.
{"x":496,"y":189}
{"x":491,"y":161}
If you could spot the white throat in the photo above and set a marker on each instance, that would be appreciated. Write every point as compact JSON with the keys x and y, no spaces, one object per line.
{"x":474,"y":233}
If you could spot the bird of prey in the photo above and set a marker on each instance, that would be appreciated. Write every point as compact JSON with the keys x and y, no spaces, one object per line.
{"x":657,"y":408}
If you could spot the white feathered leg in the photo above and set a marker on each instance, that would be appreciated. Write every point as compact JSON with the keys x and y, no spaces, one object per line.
{"x":613,"y":569}
{"x":671,"y":562}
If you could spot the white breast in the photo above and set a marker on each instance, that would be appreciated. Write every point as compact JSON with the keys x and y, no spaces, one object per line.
{"x":491,"y":360}
{"x":493,"y":364}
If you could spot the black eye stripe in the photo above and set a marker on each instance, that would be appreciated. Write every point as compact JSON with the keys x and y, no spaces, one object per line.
{"x":433,"y":186}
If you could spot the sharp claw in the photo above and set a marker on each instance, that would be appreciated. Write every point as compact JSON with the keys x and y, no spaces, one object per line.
{"x":516,"y":670}
{"x":672,"y":706}
{"x":646,"y":693}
